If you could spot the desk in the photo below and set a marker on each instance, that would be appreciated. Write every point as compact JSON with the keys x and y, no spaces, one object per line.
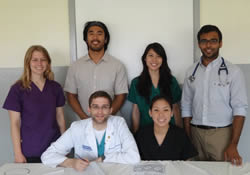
{"x":171,"y":168}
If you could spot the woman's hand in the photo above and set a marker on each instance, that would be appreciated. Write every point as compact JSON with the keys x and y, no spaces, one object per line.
{"x":19,"y":158}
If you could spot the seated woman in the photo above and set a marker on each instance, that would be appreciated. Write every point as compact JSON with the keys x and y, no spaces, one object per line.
{"x":161,"y":140}
{"x":155,"y":79}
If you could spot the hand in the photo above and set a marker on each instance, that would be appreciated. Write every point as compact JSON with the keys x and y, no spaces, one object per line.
{"x":231,"y":154}
{"x":80,"y":164}
{"x":19,"y":158}
{"x":99,"y":159}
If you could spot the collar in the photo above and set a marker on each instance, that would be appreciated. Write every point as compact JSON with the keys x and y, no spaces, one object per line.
{"x":214,"y":63}
{"x":105,"y":57}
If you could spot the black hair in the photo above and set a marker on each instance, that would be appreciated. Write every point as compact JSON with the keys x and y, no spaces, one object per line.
{"x":161,"y":97}
{"x":144,"y":85}
{"x":100,"y":94}
{"x":207,"y":29}
{"x":99,"y":24}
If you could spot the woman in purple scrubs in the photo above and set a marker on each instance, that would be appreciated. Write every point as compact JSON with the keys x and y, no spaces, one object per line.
{"x":35,"y":105}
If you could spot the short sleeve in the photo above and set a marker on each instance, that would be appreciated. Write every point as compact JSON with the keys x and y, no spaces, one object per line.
{"x":70,"y":82}
{"x":132,"y":92}
{"x":60,"y":99}
{"x":121,"y":81}
{"x":13,"y":100}
{"x":175,"y":90}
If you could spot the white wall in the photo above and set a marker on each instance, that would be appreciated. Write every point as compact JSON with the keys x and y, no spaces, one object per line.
{"x":232,"y":17}
{"x":135,"y":24}
{"x":28,"y":22}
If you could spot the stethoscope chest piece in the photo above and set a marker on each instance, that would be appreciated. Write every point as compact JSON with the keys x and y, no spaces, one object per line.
{"x":221,"y":68}
{"x":192,"y":78}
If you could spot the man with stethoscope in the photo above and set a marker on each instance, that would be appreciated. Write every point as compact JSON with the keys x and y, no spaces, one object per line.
{"x":214,"y":101}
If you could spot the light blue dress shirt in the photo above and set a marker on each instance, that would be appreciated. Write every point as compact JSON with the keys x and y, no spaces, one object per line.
{"x":211,"y":99}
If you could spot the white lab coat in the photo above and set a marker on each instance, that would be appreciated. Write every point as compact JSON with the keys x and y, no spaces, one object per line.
{"x":120,"y":146}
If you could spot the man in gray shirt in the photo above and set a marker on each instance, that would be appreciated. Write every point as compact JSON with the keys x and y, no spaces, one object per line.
{"x":95,"y":71}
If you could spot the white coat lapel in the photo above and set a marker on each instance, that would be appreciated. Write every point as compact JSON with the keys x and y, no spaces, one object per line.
{"x":90,"y":136}
{"x":109,"y":134}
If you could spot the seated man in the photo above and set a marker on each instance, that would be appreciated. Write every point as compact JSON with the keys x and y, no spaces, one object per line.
{"x":100,"y":138}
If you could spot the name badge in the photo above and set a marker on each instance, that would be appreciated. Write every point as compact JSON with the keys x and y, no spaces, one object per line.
{"x":85,"y":147}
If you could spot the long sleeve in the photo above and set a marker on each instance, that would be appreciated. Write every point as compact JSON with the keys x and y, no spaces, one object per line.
{"x":58,"y":150}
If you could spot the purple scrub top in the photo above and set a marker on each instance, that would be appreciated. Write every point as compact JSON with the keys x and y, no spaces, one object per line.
{"x":39,"y":126}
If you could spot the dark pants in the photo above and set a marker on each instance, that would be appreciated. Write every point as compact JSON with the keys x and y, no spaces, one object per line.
{"x":33,"y":160}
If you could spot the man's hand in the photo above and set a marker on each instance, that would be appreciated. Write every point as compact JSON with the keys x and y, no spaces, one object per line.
{"x":80,"y":164}
{"x":77,"y":164}
{"x":231,"y":154}
{"x":99,"y":159}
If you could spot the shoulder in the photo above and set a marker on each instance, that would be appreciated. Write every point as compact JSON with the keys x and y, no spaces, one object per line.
{"x":174,"y":80}
{"x":116,"y":120}
{"x":81,"y":124}
{"x":16,"y":85}
{"x":191,"y":68}
{"x":17,"y":88}
{"x":54,"y":83}
{"x":135,"y":81}
{"x":113,"y":60}
{"x":232,"y":67}
{"x":176,"y":130}
{"x":144,"y":131}
{"x":79,"y":62}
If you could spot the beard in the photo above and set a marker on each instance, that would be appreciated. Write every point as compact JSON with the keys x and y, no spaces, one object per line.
{"x":213,"y":56}
{"x":100,"y":122}
{"x":94,"y":48}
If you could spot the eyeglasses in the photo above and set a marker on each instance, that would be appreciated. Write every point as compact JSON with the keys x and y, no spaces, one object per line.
{"x":97,"y":108}
{"x":205,"y":41}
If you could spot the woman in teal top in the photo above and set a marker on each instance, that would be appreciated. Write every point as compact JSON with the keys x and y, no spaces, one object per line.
{"x":155,"y":79}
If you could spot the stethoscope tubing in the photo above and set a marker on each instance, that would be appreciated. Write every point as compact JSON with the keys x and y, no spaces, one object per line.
{"x":223,"y":66}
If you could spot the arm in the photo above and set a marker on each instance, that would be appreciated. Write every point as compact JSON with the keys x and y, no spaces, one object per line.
{"x":177,"y":115}
{"x":187,"y":126}
{"x":231,"y":154}
{"x":128,"y":152}
{"x":15,"y":123}
{"x":57,"y":151}
{"x":238,"y":101}
{"x":75,"y":105}
{"x":60,"y":119}
{"x":118,"y":102}
{"x":135,"y":118}
{"x":186,"y":105}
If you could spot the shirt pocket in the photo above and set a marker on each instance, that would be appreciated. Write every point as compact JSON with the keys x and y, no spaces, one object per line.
{"x":219,"y":91}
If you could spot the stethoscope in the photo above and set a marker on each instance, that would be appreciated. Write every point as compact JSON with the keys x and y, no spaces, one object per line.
{"x":222,"y":67}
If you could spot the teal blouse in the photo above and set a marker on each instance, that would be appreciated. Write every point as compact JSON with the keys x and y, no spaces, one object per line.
{"x":143,"y":106}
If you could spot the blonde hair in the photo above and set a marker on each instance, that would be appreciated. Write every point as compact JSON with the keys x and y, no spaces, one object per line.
{"x":25,"y":79}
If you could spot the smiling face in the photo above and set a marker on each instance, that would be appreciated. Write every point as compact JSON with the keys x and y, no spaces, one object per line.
{"x":153,"y":60}
{"x":210,"y":45}
{"x":38,"y":63}
{"x":100,"y":109}
{"x":96,"y":38}
{"x":161,"y":113}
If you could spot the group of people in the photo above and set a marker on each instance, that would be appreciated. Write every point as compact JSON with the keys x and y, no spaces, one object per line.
{"x":212,"y":111}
